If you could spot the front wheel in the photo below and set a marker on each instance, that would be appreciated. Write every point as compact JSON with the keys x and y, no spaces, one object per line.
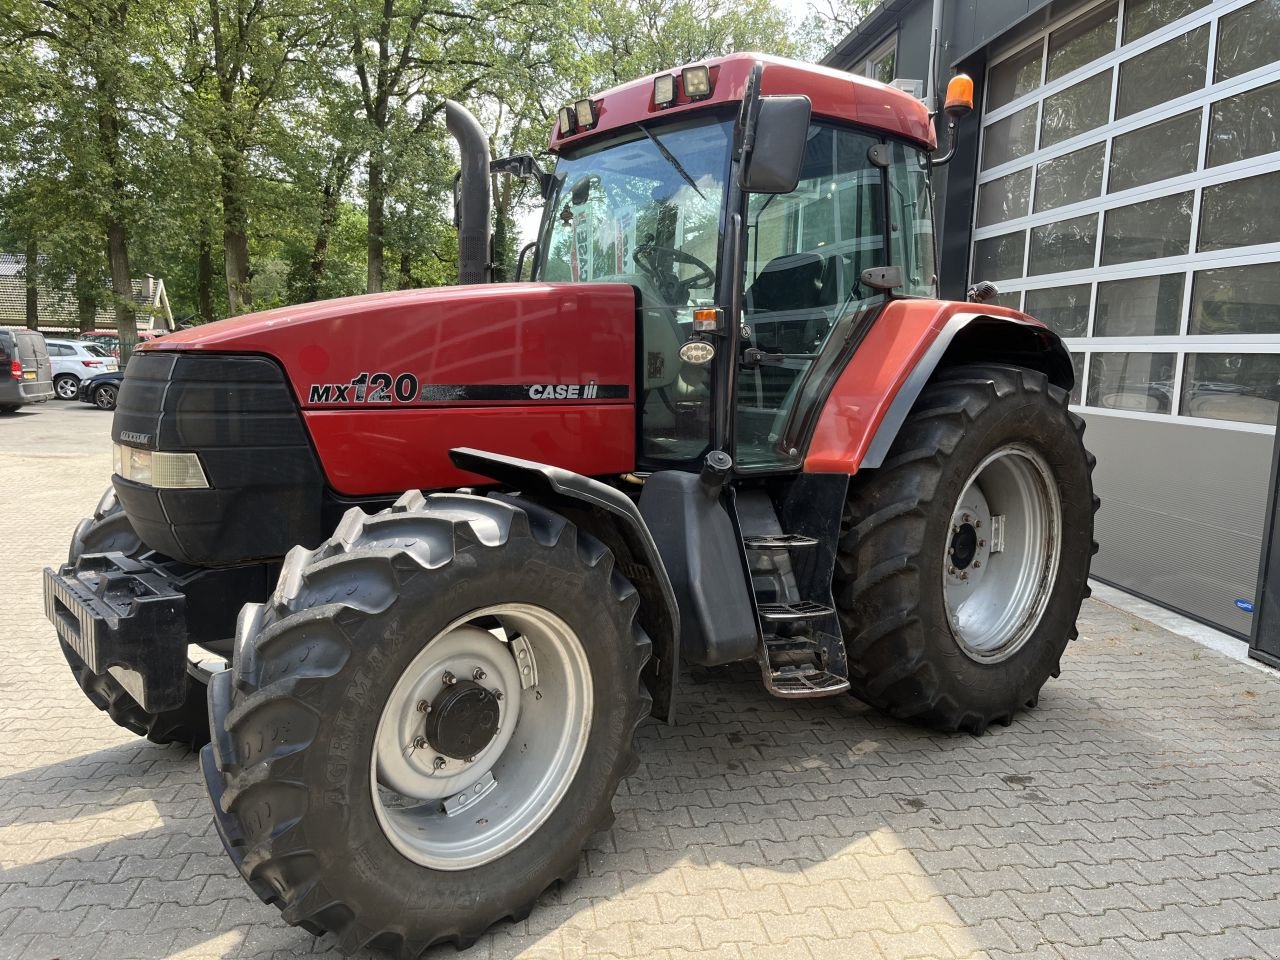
{"x":66,"y":387}
{"x":964,"y":559}
{"x":427,"y":721}
{"x":104,"y":398}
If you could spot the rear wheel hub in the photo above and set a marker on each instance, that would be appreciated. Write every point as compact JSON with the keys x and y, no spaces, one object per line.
{"x":463,"y":720}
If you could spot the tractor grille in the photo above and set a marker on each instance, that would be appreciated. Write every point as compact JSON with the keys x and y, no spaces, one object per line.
{"x":237,"y":413}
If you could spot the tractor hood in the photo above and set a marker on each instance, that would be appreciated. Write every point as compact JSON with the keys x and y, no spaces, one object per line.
{"x":482,"y":344}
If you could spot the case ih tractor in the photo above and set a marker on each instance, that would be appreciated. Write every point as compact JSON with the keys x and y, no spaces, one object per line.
{"x":437,"y":553}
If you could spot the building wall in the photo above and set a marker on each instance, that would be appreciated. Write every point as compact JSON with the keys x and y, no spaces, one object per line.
{"x":1121,"y":181}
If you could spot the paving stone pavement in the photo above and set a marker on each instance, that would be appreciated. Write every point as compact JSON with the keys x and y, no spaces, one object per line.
{"x":1131,"y":815}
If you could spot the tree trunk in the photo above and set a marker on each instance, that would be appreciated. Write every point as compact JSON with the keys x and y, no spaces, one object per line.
{"x":332,"y":198}
{"x":122,"y":288}
{"x":86,"y":300}
{"x":32,"y":273}
{"x":235,"y":237}
{"x":377,"y":204}
{"x":405,"y":281}
{"x":204,"y":279}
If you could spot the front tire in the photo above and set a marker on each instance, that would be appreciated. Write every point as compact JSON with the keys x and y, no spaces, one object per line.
{"x":336,"y":796}
{"x":964,"y":559}
{"x":104,"y":398}
{"x":109,"y":531}
{"x":66,"y":387}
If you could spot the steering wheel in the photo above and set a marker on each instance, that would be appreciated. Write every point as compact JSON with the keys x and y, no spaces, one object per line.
{"x":673,"y":289}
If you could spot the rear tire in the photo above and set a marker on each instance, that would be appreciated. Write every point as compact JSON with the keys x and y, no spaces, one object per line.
{"x":104,"y":398}
{"x":109,"y":531}
{"x":297,"y":772}
{"x":915,"y":650}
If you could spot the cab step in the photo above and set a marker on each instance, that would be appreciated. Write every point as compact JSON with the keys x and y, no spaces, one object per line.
{"x":781,"y":541}
{"x":796,"y":610}
{"x":793,"y":682}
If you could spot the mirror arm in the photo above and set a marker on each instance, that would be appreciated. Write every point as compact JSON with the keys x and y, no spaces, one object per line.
{"x":947,"y":157}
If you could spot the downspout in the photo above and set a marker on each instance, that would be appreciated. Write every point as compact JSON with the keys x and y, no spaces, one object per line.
{"x":935,"y":40}
{"x":472,"y":202}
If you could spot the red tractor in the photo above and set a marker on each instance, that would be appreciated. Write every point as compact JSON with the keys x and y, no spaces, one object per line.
{"x":727,"y":420}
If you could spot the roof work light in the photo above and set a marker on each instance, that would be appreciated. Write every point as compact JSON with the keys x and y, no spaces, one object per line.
{"x":697,"y":82}
{"x":664,"y":90}
{"x":586,"y":113}
{"x":568,"y":121}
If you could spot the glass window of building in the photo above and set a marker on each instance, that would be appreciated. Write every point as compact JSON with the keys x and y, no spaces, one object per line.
{"x":1064,"y":310}
{"x":1071,"y":178}
{"x":1143,"y":16}
{"x":1236,"y":301}
{"x":1164,"y":73}
{"x":1010,"y":138}
{"x":1245,"y":125}
{"x":1156,"y":152}
{"x":1248,"y":38}
{"x":1141,"y":382}
{"x":1241,"y":213}
{"x":1081,"y":42}
{"x":999,"y":258}
{"x":1004,"y":199}
{"x":1063,"y":245}
{"x":1244,"y":387}
{"x":1139,"y":307}
{"x":1147,"y":230}
{"x":1081,"y":107}
{"x":1014,"y":77}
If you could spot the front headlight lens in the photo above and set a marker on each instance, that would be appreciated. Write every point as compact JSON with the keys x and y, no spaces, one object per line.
{"x":157,"y":468}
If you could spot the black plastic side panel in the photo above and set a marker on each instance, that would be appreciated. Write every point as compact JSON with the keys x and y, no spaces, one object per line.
{"x":266,"y":487}
{"x":703,"y":555}
{"x":612,"y":517}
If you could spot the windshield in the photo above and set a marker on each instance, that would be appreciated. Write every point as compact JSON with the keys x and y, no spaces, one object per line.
{"x":647,"y":210}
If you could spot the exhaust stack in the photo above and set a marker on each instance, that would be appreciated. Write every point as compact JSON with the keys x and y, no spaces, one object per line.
{"x":471,"y":201}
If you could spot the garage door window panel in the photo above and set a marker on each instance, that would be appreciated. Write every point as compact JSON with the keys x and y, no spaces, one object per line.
{"x":1064,"y":310}
{"x":1244,"y":126}
{"x":1064,"y":245}
{"x":1164,"y":73}
{"x":1156,"y":152}
{"x":1236,"y":301}
{"x":1014,"y":77}
{"x":1141,"y":382}
{"x":1081,"y":107}
{"x":1140,"y":307}
{"x":1071,"y":178}
{"x":1248,"y":38}
{"x":999,"y":258}
{"x":1004,"y":199}
{"x":1010,"y":138}
{"x":1082,"y":42}
{"x":1244,"y":387}
{"x":1148,"y":230}
{"x":1143,"y":16}
{"x":1241,"y":213}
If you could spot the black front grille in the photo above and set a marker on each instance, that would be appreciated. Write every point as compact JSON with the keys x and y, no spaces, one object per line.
{"x":238,"y":414}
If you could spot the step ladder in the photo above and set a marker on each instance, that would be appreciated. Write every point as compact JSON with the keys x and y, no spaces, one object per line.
{"x":802,"y":654}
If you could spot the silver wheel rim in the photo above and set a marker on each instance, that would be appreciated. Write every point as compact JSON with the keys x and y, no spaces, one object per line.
{"x":106,"y":397}
{"x":463,"y":813}
{"x":67,"y":388}
{"x":1001,"y":558}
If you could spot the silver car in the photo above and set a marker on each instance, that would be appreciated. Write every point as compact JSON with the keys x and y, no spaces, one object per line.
{"x":76,"y":360}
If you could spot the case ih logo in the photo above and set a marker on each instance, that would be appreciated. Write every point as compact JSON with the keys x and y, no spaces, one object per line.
{"x":404,"y":388}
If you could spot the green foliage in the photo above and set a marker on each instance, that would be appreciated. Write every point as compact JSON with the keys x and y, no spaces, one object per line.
{"x":255,"y":154}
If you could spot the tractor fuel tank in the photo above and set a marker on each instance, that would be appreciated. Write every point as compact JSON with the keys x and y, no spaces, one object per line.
{"x":388,"y":383}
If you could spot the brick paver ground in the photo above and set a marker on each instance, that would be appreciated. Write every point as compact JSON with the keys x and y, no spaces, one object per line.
{"x":1132,"y":814}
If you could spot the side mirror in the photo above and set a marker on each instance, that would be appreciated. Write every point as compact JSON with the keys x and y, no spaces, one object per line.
{"x":524,"y":166}
{"x":781,"y":132}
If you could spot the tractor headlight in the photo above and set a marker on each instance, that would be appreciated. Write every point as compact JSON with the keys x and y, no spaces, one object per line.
{"x":156,"y":468}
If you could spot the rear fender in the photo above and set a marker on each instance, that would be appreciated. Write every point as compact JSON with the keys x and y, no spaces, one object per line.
{"x":909,"y":342}
{"x":611,"y":517}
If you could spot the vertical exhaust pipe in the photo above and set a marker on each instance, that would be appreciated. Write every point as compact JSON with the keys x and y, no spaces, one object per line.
{"x":472,"y":200}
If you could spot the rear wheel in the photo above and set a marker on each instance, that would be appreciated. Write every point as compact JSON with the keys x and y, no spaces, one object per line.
{"x":104,"y":398}
{"x":66,"y":387}
{"x":964,"y":559}
{"x":426,"y":722}
{"x":109,"y":531}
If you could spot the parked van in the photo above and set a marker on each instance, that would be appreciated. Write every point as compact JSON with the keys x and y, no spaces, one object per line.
{"x":26,"y":375}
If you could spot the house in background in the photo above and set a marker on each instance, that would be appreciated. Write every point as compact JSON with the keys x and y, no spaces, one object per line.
{"x":1120,"y":180}
{"x":56,"y":307}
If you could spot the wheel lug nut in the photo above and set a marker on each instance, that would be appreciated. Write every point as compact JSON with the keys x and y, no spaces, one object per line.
{"x":449,"y":679}
{"x":419,"y":742}
{"x":424,"y":707}
{"x":497,"y":694}
{"x":951,"y":569}
{"x":479,"y":674}
{"x":977,"y":563}
{"x":439,"y":763}
{"x":982,"y":543}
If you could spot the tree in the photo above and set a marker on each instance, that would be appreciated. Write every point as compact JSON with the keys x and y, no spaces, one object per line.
{"x":827,"y":22}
